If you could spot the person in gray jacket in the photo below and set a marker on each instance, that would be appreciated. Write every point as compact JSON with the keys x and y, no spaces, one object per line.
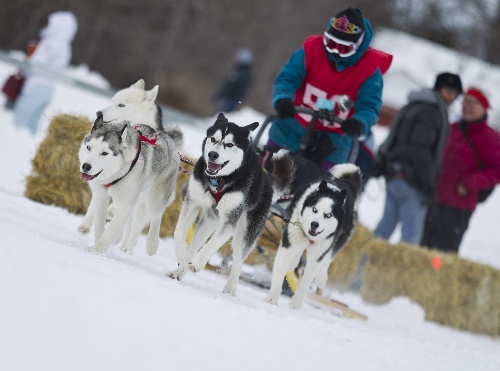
{"x":410,"y":157}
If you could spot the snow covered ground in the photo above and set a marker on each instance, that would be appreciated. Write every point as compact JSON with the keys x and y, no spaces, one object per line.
{"x":62,"y":308}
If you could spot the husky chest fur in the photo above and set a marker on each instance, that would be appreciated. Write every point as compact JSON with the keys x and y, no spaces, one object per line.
{"x":321,"y":221}
{"x":233,"y":196}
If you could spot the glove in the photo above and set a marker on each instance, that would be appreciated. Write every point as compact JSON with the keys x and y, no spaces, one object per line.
{"x":351,"y":126}
{"x":285,"y":108}
{"x":320,"y":146}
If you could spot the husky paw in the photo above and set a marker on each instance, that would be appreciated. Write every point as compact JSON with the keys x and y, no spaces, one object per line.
{"x":127,"y":249}
{"x":177,"y":274}
{"x":272,"y":299}
{"x":229,"y":289}
{"x":195,"y":268}
{"x":151,"y":250}
{"x":84,"y":229}
{"x":94,"y":250}
{"x":295,"y":304}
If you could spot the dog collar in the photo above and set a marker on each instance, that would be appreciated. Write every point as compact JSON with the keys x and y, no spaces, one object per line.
{"x":141,"y":139}
{"x":219,"y":183}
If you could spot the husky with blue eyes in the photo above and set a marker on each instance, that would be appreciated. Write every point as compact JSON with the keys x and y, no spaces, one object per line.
{"x":322,"y":218}
{"x":231,"y":195}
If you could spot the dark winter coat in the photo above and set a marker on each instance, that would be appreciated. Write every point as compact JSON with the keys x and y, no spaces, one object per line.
{"x":460,"y":166}
{"x":413,"y":150}
{"x":236,"y":83}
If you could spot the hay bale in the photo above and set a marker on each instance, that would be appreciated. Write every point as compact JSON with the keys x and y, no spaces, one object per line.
{"x":345,"y":267}
{"x":461,"y":294}
{"x":55,"y":177}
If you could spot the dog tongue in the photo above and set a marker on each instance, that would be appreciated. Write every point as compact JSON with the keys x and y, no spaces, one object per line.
{"x":213,"y":167}
{"x":86,"y":177}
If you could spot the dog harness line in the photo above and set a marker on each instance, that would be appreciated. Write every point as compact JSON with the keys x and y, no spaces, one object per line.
{"x":142,"y":138}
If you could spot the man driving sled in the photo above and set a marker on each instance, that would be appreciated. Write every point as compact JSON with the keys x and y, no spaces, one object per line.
{"x":340,"y":62}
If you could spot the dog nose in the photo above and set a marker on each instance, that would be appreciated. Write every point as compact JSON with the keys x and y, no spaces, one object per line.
{"x":212,"y":155}
{"x":86,"y":167}
{"x":314,"y":225}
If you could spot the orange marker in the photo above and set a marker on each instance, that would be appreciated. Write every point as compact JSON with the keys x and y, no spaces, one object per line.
{"x":436,"y":262}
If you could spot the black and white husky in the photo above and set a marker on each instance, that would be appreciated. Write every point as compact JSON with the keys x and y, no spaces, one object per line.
{"x":232,"y":195}
{"x":322,"y":221}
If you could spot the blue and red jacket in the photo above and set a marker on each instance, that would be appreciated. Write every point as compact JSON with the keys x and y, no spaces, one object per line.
{"x":312,"y":72}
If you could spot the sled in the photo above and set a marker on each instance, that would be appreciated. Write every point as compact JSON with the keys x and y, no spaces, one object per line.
{"x":337,"y":307}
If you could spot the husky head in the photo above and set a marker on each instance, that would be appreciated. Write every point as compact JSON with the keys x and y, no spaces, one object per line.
{"x":106,"y":151}
{"x":322,"y":211}
{"x":134,"y":104}
{"x":225,"y":146}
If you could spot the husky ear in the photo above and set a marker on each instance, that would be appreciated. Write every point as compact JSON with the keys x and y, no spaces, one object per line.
{"x":221,"y":119}
{"x":152,"y":94}
{"x":98,"y":123}
{"x":139,"y":84}
{"x":252,"y":126}
{"x":323,"y":186}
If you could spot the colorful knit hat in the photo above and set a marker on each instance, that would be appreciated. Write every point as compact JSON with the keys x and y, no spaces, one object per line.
{"x":347,"y":25}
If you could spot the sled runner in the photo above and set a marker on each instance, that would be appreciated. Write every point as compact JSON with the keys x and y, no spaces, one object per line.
{"x":336,"y":307}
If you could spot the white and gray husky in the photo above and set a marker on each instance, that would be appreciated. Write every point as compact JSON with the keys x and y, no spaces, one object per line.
{"x":232,"y":195}
{"x":137,"y":167}
{"x":322,"y":217}
{"x":136,"y":105}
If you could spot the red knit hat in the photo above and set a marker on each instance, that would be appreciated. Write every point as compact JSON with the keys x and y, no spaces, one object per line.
{"x":479,"y":95}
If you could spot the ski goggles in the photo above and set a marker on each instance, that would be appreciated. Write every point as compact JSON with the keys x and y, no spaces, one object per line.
{"x":341,"y":47}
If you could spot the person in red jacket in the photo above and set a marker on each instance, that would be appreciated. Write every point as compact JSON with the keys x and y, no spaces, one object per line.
{"x":471,"y":164}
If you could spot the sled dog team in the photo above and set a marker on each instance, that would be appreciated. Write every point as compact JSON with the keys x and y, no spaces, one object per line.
{"x":130,"y":158}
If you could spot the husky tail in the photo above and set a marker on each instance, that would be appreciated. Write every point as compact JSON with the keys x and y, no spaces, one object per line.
{"x":350,"y":176}
{"x":283,"y":173}
{"x":176,"y":134}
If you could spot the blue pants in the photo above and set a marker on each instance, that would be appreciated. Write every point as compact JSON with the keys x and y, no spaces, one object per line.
{"x":31,"y":104}
{"x":404,"y":204}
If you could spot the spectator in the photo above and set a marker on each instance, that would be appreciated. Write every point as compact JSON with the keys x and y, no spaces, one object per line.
{"x":411,"y":156}
{"x":237,"y":82}
{"x":339,"y":62}
{"x":52,"y":52}
{"x":471,"y":163}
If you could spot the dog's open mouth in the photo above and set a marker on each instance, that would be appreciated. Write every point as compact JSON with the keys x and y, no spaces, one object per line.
{"x":213,"y":168}
{"x":314,"y":233}
{"x":87,"y":177}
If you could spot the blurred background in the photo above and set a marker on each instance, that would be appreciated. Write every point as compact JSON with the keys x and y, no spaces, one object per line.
{"x":186,"y":46}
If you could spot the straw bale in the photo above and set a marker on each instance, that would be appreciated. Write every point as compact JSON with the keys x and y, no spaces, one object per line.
{"x":344,"y":268}
{"x":55,"y":177}
{"x":461,"y":294}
